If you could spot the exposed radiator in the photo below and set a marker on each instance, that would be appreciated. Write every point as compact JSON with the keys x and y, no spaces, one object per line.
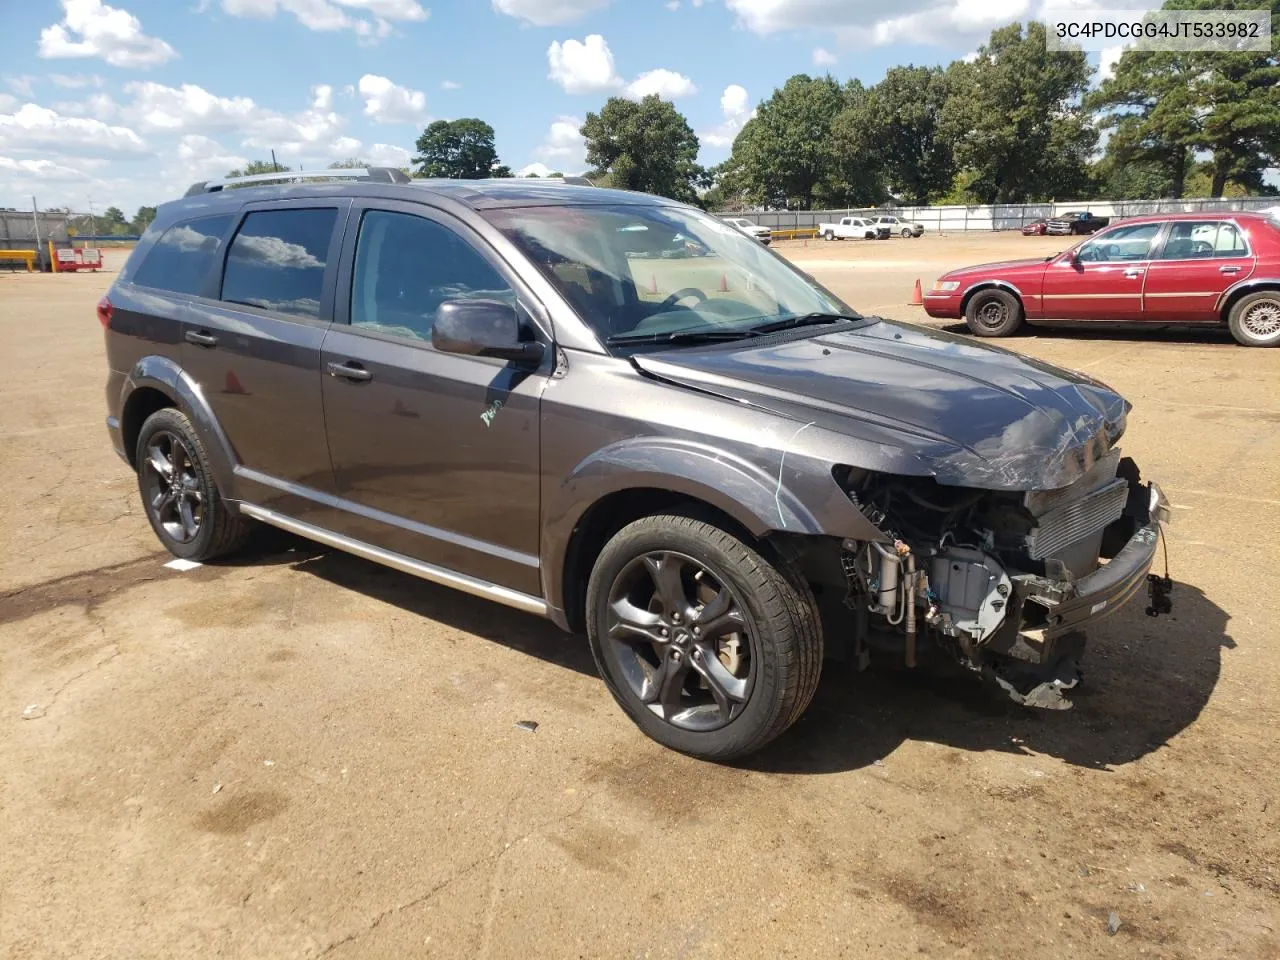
{"x":1077,"y":519}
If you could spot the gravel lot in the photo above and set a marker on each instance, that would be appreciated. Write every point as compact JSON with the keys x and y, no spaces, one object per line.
{"x":300,"y":754}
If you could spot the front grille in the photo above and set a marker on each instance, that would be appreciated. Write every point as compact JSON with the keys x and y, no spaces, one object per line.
{"x":1076,"y":520}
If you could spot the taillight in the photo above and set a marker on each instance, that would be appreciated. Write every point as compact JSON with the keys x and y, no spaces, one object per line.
{"x":104,"y":312}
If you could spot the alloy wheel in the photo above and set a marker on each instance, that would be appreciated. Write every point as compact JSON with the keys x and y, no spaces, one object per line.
{"x":685,"y":647}
{"x":173,"y":491}
{"x":1262,"y":320}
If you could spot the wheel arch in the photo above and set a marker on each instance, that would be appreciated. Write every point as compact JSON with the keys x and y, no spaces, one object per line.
{"x":1234,"y":294}
{"x":981,"y":285}
{"x":155,"y":383}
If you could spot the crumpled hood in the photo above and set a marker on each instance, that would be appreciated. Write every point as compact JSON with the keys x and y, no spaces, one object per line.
{"x":969,"y":414}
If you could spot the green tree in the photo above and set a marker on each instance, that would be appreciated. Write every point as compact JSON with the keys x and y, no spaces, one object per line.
{"x":895,"y":127}
{"x":458,"y":149}
{"x":1166,"y":107}
{"x":786,"y":155}
{"x":646,"y":145}
{"x":350,"y":163}
{"x":255,"y":167}
{"x":142,"y":219}
{"x":1016,"y":119}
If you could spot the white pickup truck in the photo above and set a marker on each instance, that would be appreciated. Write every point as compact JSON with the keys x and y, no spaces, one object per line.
{"x":853,"y":228}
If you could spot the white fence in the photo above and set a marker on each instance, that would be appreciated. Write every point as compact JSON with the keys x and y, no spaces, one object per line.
{"x":1010,"y":216}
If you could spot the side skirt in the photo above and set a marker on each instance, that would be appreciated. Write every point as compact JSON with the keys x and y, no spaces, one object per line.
{"x":397,"y":561}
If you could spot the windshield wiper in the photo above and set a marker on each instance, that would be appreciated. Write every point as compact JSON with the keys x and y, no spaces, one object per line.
{"x":680,"y":336}
{"x":803,"y":320}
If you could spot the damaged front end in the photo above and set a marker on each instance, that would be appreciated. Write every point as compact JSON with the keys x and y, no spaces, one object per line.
{"x":1003,"y":580}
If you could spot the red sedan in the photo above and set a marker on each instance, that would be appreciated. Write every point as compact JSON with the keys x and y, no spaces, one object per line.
{"x":1035,"y":228}
{"x":1207,"y":268}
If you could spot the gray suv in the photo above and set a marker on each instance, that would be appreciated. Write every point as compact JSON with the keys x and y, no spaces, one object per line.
{"x":620,"y":413}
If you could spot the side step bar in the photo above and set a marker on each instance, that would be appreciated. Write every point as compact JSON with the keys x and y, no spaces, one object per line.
{"x":397,"y":561}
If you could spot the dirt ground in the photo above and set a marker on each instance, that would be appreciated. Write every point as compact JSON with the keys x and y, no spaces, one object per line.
{"x":299,"y":754}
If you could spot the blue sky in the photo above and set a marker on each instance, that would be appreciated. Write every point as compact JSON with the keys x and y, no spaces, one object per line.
{"x":129,"y":102}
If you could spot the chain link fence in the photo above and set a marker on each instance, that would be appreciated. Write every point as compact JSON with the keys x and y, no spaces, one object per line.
{"x":1009,"y":216}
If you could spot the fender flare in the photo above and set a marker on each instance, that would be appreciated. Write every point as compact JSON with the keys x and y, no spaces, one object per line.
{"x":166,"y":376}
{"x":1242,"y":288}
{"x":761,"y":502}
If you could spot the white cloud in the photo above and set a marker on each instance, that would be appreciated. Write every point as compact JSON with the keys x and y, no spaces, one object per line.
{"x":97,"y":105}
{"x":91,"y":28}
{"x":328,"y":15}
{"x":535,"y":169}
{"x":41,"y":169}
{"x":665,"y":83}
{"x":192,"y":109}
{"x":387,"y":102}
{"x":549,"y":13}
{"x":36,"y":128}
{"x":563,"y":147}
{"x":387,"y":155}
{"x":583,"y":66}
{"x":8,"y":103}
{"x":450,"y":85}
{"x":586,"y":66}
{"x":345,"y":147}
{"x":672,"y":5}
{"x":735,"y":107}
{"x":913,"y":21}
{"x":75,"y":81}
{"x":23,"y":86}
{"x":1107,"y":60}
{"x":823,"y":57}
{"x":203,"y":158}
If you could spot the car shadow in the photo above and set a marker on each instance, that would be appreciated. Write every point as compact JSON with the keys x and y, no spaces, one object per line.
{"x":1146,"y":680}
{"x":523,"y":632}
{"x":1112,"y":332}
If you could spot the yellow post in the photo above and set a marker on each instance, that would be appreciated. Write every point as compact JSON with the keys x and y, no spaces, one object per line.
{"x":53,"y":258}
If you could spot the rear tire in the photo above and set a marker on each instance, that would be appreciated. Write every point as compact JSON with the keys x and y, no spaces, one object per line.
{"x":1255,"y":319}
{"x":181,"y":501}
{"x":710,"y":648}
{"x":993,"y":313}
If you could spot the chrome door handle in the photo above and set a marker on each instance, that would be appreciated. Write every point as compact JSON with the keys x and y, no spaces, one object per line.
{"x":1228,"y":269}
{"x":201,"y":338}
{"x":349,"y":371}
{"x":1133,"y":274}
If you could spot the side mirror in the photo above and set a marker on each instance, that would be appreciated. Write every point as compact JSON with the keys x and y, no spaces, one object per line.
{"x":1071,"y":257}
{"x":482,"y":328}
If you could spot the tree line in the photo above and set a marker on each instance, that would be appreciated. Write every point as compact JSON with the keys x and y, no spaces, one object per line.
{"x":1013,"y":123}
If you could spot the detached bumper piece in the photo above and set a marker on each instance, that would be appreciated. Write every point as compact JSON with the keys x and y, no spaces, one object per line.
{"x":1036,"y":659}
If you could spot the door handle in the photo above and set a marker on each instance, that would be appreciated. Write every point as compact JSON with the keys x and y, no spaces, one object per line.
{"x":1228,"y":269}
{"x":350,"y":371}
{"x":201,"y":338}
{"x":1133,"y":274}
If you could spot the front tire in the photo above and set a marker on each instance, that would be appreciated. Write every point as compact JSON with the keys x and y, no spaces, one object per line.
{"x":829,"y":235}
{"x":710,"y":648}
{"x":1255,"y":319}
{"x":181,"y":500}
{"x":907,"y":234}
{"x":993,"y":313}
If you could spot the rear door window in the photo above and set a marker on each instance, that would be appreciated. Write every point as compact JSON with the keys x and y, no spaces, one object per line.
{"x":277,"y":260}
{"x":1204,"y":240}
{"x":181,"y":260}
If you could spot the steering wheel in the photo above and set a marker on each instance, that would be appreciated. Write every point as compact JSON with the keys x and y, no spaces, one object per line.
{"x":682,"y":294}
{"x":1202,"y":248}
{"x":1112,"y":251}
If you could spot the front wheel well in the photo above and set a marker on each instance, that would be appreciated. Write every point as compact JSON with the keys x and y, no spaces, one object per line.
{"x":141,"y":404}
{"x":964,"y":303}
{"x":606,"y":517}
{"x":1235,"y":297}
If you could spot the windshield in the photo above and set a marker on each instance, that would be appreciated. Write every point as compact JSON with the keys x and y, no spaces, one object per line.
{"x":634,"y":271}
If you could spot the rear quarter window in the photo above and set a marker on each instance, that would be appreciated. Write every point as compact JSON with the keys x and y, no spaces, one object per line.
{"x":182,"y":258}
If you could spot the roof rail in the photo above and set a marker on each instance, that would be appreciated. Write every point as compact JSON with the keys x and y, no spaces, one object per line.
{"x":370,"y":175}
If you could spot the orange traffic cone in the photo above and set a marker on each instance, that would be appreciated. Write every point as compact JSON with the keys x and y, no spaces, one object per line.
{"x":653,"y":283}
{"x":917,"y":298}
{"x":724,"y":283}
